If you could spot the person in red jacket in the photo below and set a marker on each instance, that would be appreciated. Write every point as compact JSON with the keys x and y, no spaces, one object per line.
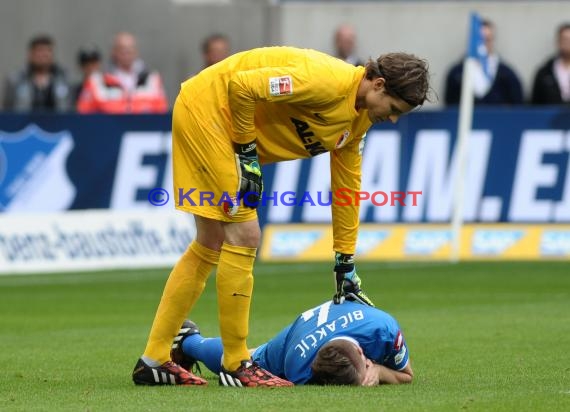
{"x":127,"y":88}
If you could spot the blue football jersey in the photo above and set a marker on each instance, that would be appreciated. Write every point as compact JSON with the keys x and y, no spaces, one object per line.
{"x":291,"y":353}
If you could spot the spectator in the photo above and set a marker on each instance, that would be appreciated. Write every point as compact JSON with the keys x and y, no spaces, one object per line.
{"x":552,"y":80}
{"x":345,"y":45}
{"x":127,"y":88}
{"x":42,"y":85}
{"x":215,"y":48}
{"x":89,"y":61}
{"x":495,"y":84}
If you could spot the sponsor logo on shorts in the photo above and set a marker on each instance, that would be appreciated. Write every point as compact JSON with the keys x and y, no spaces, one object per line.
{"x":230,"y":208}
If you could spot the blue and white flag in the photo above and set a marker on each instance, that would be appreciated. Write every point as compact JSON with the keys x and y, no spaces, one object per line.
{"x":482,"y":78}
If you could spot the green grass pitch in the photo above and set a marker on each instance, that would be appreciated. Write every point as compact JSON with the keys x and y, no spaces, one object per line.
{"x":482,"y":337}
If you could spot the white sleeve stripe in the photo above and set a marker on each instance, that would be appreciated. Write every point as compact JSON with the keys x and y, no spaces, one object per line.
{"x":406,"y":364}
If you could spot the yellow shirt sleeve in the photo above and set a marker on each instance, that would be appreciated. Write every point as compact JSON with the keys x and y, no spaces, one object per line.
{"x":313,"y":86}
{"x":346,"y":177}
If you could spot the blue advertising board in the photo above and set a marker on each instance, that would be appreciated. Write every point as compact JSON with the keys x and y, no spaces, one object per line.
{"x":517,"y":171}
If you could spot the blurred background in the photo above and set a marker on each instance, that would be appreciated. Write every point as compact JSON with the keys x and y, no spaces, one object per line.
{"x":170,"y":32}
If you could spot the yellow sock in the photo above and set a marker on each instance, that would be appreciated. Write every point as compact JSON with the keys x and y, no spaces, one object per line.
{"x":183,"y":288}
{"x":234,"y":283}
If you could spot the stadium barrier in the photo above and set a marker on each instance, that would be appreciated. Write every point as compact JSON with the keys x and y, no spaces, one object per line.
{"x":92,"y":240}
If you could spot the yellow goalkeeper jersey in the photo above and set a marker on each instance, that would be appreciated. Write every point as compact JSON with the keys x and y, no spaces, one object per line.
{"x":296,"y":103}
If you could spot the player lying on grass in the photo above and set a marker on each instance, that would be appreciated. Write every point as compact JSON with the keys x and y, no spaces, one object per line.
{"x":258,"y":107}
{"x":348,"y":344}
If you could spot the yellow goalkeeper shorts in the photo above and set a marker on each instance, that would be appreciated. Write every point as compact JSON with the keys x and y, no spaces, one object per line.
{"x":205,"y":171}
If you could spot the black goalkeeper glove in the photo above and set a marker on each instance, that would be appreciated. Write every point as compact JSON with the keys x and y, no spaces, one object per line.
{"x":347,"y":281}
{"x":249,"y":174}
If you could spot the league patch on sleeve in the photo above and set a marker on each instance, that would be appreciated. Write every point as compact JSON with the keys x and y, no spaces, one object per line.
{"x":398,"y":341}
{"x":280,"y":86}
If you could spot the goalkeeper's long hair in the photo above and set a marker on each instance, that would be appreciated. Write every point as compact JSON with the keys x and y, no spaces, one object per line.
{"x":338,"y":363}
{"x":406,"y":76}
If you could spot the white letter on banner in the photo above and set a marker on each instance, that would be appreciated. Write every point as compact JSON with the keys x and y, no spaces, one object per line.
{"x":431,"y":173}
{"x":380,"y":171}
{"x":319,"y":181}
{"x":131,"y":175}
{"x":562,"y":209}
{"x":532,"y":174}
{"x":477,"y":168}
{"x":286,"y":179}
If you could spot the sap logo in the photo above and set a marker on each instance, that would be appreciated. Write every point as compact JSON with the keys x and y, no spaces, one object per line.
{"x":494,"y":242}
{"x":293,"y":243}
{"x":369,"y":240}
{"x":555,"y":243}
{"x":423,"y":242}
{"x":33,"y":174}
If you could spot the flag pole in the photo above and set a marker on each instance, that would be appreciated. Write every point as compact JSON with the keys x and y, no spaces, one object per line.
{"x":463,"y":132}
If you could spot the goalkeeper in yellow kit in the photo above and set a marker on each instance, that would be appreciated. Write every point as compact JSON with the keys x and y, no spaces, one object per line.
{"x":256,"y":107}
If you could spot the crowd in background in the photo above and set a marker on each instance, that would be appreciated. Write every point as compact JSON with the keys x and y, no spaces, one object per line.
{"x":495,"y":82}
{"x":126,"y":85}
{"x":123,"y":85}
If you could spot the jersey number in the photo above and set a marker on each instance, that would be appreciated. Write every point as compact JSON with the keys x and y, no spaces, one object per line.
{"x":323,"y":313}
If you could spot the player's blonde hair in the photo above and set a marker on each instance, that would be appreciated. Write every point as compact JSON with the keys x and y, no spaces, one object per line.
{"x":338,"y":362}
{"x":406,"y":76}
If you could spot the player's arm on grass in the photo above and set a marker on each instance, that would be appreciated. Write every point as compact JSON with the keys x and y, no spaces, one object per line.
{"x":396,"y":367}
{"x":379,"y":374}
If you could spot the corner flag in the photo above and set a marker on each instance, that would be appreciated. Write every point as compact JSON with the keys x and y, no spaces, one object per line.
{"x":476,"y":48}
{"x":477,"y":55}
